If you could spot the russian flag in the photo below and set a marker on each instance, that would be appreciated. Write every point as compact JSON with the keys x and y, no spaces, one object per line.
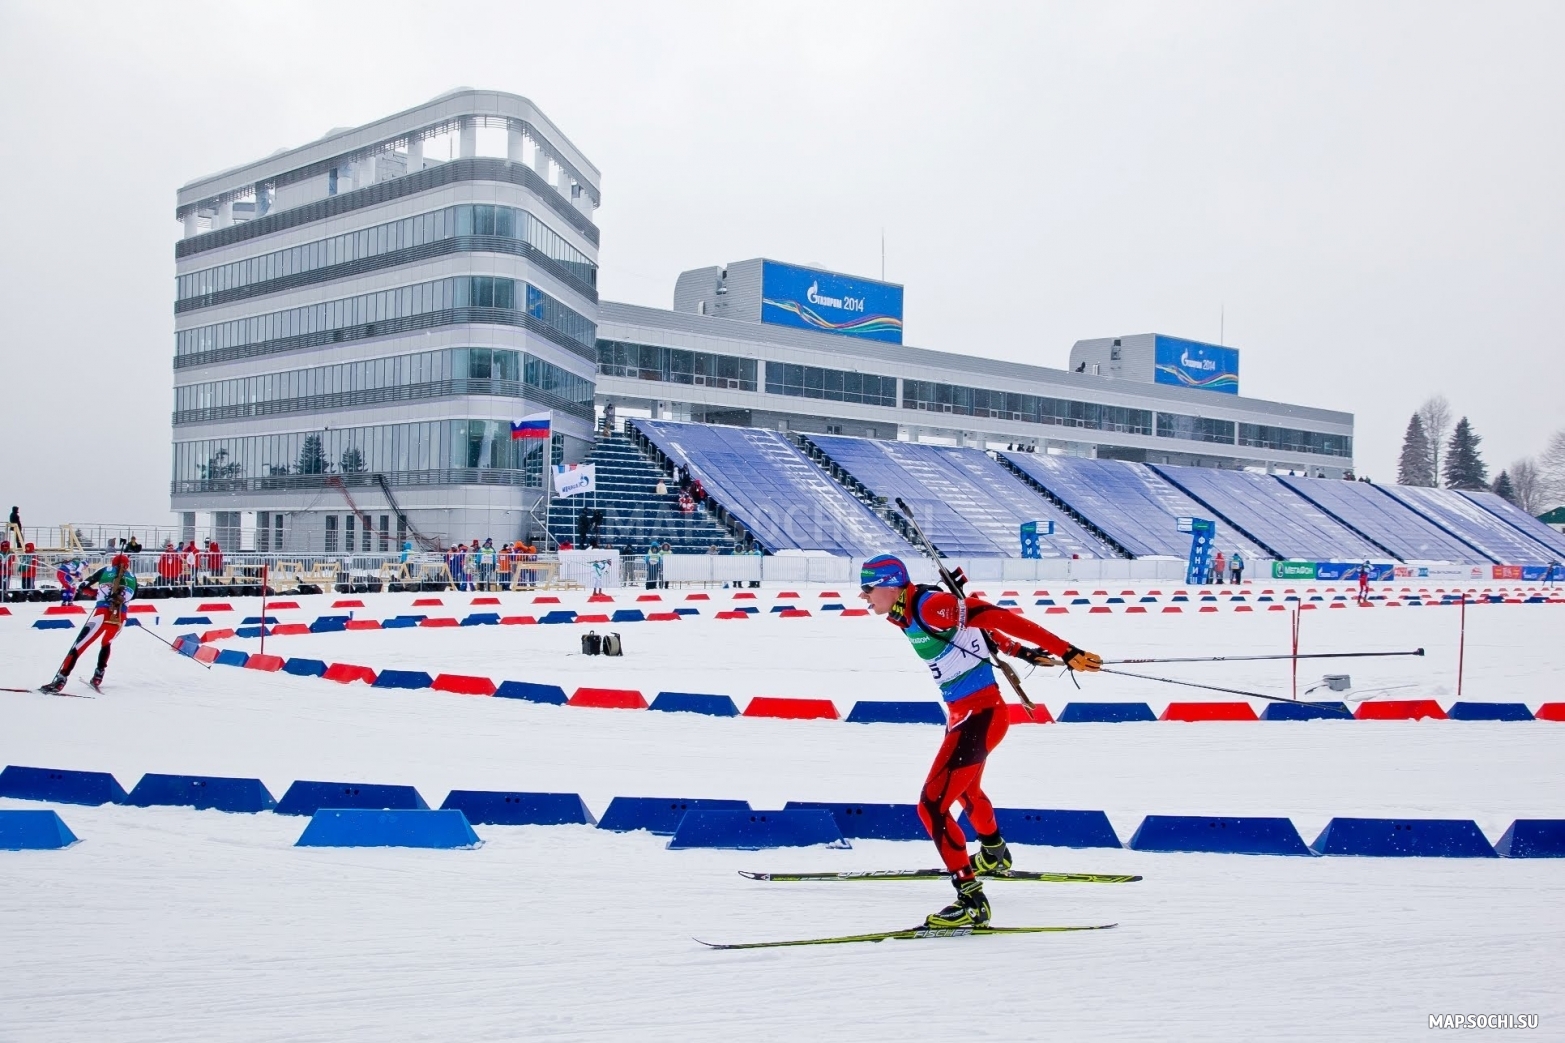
{"x":535,"y":426}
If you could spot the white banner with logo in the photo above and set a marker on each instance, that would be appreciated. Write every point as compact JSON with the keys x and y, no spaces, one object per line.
{"x":575,"y":479}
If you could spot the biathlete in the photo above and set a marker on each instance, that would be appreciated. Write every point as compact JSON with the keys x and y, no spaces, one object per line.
{"x":953,"y":638}
{"x":114,"y":586}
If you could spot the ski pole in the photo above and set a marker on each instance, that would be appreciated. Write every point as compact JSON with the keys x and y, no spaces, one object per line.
{"x":1217,"y":688}
{"x":170,"y":644}
{"x":1260,"y":658}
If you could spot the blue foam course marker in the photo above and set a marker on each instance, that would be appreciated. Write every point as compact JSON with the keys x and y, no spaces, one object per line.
{"x":53,"y":624}
{"x":266,"y":620}
{"x":687,"y":611}
{"x":756,"y":830}
{"x":1489,"y":712}
{"x":329,"y":624}
{"x":203,"y":792}
{"x":1049,"y":827}
{"x":694,"y":702}
{"x":305,"y":667}
{"x":355,"y":827}
{"x":1403,"y":838}
{"x":60,"y":785}
{"x":1533,"y":838}
{"x":481,"y":619}
{"x":489,"y":807}
{"x":870,"y":821}
{"x":401,"y":622}
{"x":232,"y":657}
{"x":190,"y":621}
{"x":252,"y":631}
{"x":305,"y":797}
{"x":629,"y":615}
{"x":875,"y":711}
{"x":1218,"y":834}
{"x":559,"y":615}
{"x":1307,"y":712}
{"x":410,"y":679}
{"x":34,"y":831}
{"x":1106,"y":713}
{"x":533,"y":693}
{"x":660,"y":815}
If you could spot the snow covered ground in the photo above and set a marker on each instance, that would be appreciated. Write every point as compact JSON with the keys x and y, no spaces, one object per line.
{"x":171,"y":924}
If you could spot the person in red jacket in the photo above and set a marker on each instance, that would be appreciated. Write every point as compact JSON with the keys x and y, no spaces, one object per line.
{"x":952,"y":637}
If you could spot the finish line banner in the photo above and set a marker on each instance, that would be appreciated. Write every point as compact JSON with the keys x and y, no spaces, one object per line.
{"x":575,"y":479}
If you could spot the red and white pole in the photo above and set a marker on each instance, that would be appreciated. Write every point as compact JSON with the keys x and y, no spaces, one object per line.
{"x":265,"y":575}
{"x":1461,"y":647}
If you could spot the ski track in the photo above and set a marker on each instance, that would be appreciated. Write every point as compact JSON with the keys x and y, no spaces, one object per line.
{"x":172,"y":924}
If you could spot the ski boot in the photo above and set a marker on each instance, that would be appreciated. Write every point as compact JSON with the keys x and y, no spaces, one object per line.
{"x":992,"y":859}
{"x":97,"y":681}
{"x":971,"y":908}
{"x":55,"y":686}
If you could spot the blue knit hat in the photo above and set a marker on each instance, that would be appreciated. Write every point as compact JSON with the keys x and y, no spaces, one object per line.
{"x":884,"y":571}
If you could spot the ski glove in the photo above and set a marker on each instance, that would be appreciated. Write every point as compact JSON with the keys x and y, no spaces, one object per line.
{"x":1086,"y":662}
{"x":1036,"y":656}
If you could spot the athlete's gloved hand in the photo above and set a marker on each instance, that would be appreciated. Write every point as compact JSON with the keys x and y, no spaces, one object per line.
{"x":1036,"y":656}
{"x":1086,"y":662}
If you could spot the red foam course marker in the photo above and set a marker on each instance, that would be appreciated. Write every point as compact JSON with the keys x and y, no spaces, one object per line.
{"x":485,"y":601}
{"x":268,"y":663}
{"x":600,"y":599}
{"x":663,"y":617}
{"x":546,"y":599}
{"x":1400,"y":710}
{"x":216,"y":635}
{"x":698,"y":597}
{"x":280,"y":605}
{"x":289,"y":629}
{"x":608,"y":699}
{"x":215,"y":606}
{"x":733,"y":615}
{"x":1551,"y":712}
{"x":794,"y":613}
{"x":205,"y":654}
{"x":348,"y":603}
{"x":440,"y":621}
{"x":346,"y":673}
{"x":362,"y":624}
{"x":422,"y":602}
{"x":593,"y":618}
{"x":463,"y":684}
{"x":513,"y":621}
{"x":792,"y":709}
{"x":65,"y":610}
{"x":1041,"y":714}
{"x":650,"y":597}
{"x":1209,"y":712}
{"x":854,"y":612}
{"x":744,"y":595}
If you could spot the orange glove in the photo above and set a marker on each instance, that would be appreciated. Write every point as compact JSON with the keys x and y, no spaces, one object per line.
{"x":1086,"y":662}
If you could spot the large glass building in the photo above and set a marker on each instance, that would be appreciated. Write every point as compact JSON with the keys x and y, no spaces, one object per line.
{"x":359,"y":320}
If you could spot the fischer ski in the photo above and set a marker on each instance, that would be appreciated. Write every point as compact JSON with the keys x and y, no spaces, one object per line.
{"x":40,"y":691}
{"x":941,"y":874}
{"x":911,"y":933}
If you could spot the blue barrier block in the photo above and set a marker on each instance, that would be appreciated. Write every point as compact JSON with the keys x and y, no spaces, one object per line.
{"x":1403,"y":838}
{"x":264,"y":620}
{"x":783,"y":608}
{"x":1106,"y":713}
{"x":190,"y":621}
{"x":749,"y":610}
{"x":186,"y":644}
{"x":53,"y":624}
{"x":34,"y":831}
{"x":873,"y":711}
{"x":401,"y":622}
{"x":60,"y":785}
{"x":305,"y":797}
{"x":251,"y":631}
{"x":871,"y":821}
{"x":659,"y":814}
{"x":1307,"y":712}
{"x":1227,"y":836}
{"x":133,"y":622}
{"x":520,"y":809}
{"x":559,"y":615}
{"x":403,"y":679}
{"x":1050,"y":828}
{"x":353,"y":827}
{"x":481,"y":619}
{"x":1533,"y":838}
{"x":629,"y":615}
{"x":687,"y":611}
{"x":691,"y":702}
{"x":304,"y":667}
{"x":329,"y":624}
{"x":533,"y":693}
{"x":755,"y":830}
{"x":202,"y":792}
{"x":1489,"y":712}
{"x":232,"y":657}
{"x":832,"y":607}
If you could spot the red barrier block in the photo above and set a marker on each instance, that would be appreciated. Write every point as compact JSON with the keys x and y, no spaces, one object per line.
{"x":348,"y":603}
{"x":546,"y":599}
{"x":1341,"y":604}
{"x":1209,"y":712}
{"x":65,"y":610}
{"x":440,"y":621}
{"x":794,"y":613}
{"x":1208,"y":608}
{"x":1041,"y":714}
{"x":1400,"y":710}
{"x":608,"y":699}
{"x":287,"y":629}
{"x":511,"y":621}
{"x":280,"y":605}
{"x":463,"y":684}
{"x":792,"y":709}
{"x":698,"y":597}
{"x":1099,"y":608}
{"x":4,"y":611}
{"x":598,"y":618}
{"x":733,"y":615}
{"x":1277,"y":608}
{"x":1243,"y":608}
{"x":600,"y":599}
{"x":744,"y":595}
{"x":422,"y":602}
{"x":137,"y":610}
{"x":786,"y":594}
{"x":485,"y":601}
{"x":269,"y":663}
{"x":649,"y":597}
{"x":830,"y":594}
{"x":1136,"y":608}
{"x":216,"y":635}
{"x":205,"y":654}
{"x":215,"y":606}
{"x":1056,"y":610}
{"x":662,"y":617}
{"x":1551,"y":712}
{"x":1305,"y":604}
{"x":854,"y":612}
{"x":1172,"y":608}
{"x":362,"y":624}
{"x":345,"y":673}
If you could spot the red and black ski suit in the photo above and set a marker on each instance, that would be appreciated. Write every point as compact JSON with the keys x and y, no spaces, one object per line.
{"x":978,"y":716}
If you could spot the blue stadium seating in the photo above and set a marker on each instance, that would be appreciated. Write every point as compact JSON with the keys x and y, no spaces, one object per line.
{"x":1136,"y":507}
{"x":966,"y":503}
{"x":1404,"y":532}
{"x":783,"y":499}
{"x":1520,"y":520}
{"x":1455,"y":513}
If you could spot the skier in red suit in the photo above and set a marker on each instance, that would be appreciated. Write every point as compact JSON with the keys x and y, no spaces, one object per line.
{"x":952,"y":637}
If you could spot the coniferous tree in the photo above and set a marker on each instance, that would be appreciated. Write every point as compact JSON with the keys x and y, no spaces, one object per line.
{"x":312,"y":458}
{"x":1416,"y":465}
{"x":352,"y":461}
{"x":1502,"y":487}
{"x":1464,"y":468}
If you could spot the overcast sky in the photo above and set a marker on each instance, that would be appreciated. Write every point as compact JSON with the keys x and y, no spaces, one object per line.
{"x":1371,"y":193}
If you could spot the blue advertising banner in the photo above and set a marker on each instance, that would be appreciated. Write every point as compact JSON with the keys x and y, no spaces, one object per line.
{"x":1192,"y":364}
{"x":1202,"y":547}
{"x":809,"y":299}
{"x":1349,"y":570}
{"x":1032,"y":531}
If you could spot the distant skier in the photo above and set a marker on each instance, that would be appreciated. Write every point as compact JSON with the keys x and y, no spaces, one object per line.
{"x":952,"y":637}
{"x":1364,"y":583}
{"x":69,"y":575}
{"x":114,"y":586}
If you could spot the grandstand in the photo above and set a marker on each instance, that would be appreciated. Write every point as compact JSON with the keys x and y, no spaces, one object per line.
{"x":1502,"y":508}
{"x":1454,"y":512}
{"x":1390,"y":523}
{"x":967,"y":504}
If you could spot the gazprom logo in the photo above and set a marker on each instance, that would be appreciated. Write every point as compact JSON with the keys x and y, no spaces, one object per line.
{"x":1206,"y":365}
{"x":814,"y":296}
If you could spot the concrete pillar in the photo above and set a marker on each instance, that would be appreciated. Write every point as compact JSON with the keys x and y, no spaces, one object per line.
{"x":467,"y":141}
{"x":513,"y":145}
{"x":581,"y":199}
{"x":415,"y":154}
{"x":225,"y":214}
{"x":191,"y":227}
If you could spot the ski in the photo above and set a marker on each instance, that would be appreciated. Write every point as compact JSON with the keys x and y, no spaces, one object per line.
{"x":911,"y":933}
{"x":40,"y":691}
{"x":942,"y":874}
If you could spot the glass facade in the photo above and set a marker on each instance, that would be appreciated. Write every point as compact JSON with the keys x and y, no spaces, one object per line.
{"x":1195,"y":428}
{"x":428,"y":374}
{"x":261,"y":333}
{"x":1033,"y":409}
{"x":675,"y":365}
{"x":834,"y":385}
{"x":501,"y":222}
{"x":1293,"y":441}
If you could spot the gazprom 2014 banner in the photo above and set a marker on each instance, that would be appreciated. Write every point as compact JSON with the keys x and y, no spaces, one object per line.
{"x":1191,"y":364}
{"x":826,"y":302}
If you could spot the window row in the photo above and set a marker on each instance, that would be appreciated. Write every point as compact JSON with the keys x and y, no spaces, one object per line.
{"x":467,"y":219}
{"x":440,"y":295}
{"x":675,"y":365}
{"x":835,"y":385}
{"x":1195,"y":428}
{"x":1290,"y":440}
{"x":1005,"y":405}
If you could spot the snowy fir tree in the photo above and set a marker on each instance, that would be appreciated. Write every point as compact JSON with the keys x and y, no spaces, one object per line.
{"x":1464,"y":468}
{"x":1502,"y":487}
{"x":352,"y":461}
{"x":1417,"y":463}
{"x":312,"y":458}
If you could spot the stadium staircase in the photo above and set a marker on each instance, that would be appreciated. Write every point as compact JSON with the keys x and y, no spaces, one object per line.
{"x":634,"y":514}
